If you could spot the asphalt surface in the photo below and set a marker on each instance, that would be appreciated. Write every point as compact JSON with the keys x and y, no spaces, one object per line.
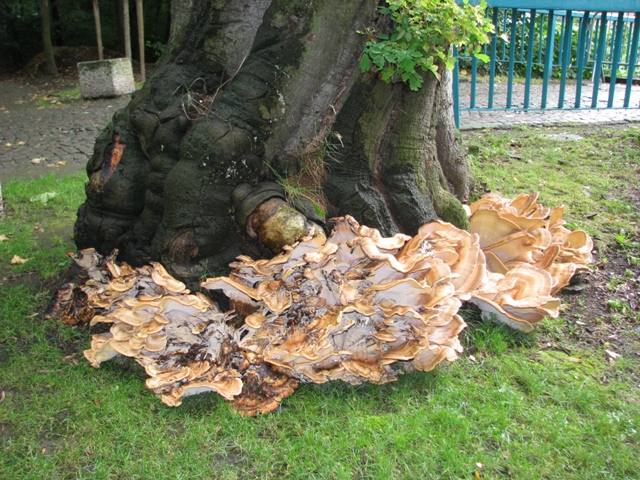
{"x":37,"y":141}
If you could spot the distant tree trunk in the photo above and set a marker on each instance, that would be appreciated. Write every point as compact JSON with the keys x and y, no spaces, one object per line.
{"x":140,"y":21}
{"x":46,"y":38}
{"x":96,"y":16}
{"x":56,"y":36}
{"x":117,"y":9}
{"x":267,"y":90}
{"x":127,"y":28}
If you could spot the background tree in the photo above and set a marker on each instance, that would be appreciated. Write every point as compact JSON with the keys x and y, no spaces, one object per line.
{"x":96,"y":15}
{"x":273,"y":90}
{"x":127,"y":28}
{"x":74,"y":26}
{"x":46,"y":37}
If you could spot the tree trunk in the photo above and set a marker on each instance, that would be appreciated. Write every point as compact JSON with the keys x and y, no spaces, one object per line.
{"x":140,"y":22}
{"x":127,"y":28}
{"x":248,"y":92}
{"x":46,"y":38}
{"x":96,"y":16}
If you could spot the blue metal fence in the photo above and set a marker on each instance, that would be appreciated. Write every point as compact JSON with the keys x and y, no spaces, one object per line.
{"x":538,"y":43}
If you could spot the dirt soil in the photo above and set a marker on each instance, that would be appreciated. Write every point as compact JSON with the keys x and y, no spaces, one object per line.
{"x":602,"y":312}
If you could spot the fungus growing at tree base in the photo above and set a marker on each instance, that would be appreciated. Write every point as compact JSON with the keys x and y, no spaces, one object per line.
{"x":355,"y":306}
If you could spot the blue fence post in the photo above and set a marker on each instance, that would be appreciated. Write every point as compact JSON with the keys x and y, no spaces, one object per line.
{"x":530,"y":41}
{"x":616,"y":58}
{"x":581,"y":52}
{"x":566,"y":57}
{"x":632,"y":60}
{"x":512,"y":55}
{"x":492,"y":72}
{"x":548,"y":56}
{"x":474,"y":81}
{"x":456,"y":88}
{"x":597,"y":72}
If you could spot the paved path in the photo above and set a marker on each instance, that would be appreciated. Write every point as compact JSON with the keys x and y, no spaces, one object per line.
{"x":475,"y":119}
{"x":37,"y":141}
{"x":34,"y":140}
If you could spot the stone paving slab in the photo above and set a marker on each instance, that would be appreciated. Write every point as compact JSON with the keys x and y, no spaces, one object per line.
{"x":67,"y":133}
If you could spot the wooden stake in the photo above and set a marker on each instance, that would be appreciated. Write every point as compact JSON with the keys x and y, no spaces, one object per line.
{"x":96,"y":16}
{"x":140,"y":17}
{"x":127,"y":28}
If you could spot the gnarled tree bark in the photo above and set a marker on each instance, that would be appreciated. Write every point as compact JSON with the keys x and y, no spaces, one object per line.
{"x":252,"y":91}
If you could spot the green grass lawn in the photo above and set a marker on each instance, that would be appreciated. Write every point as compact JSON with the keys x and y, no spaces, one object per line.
{"x":551,"y":404}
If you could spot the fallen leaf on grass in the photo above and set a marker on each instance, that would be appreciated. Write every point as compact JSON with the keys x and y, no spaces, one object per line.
{"x":575,"y":360}
{"x":8,"y":144}
{"x":16,"y":260}
{"x":20,"y":143}
{"x":43,"y":197}
{"x":61,"y":162}
{"x":612,"y":355}
{"x":36,"y":161}
{"x":2,"y":396}
{"x":3,"y":238}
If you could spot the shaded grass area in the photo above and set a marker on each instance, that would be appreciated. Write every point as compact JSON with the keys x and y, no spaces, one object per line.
{"x":540,"y":405}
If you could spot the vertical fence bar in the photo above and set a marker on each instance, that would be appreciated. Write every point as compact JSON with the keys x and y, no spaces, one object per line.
{"x":474,"y":80}
{"x":561,"y":44}
{"x":512,"y":55}
{"x":548,"y":56}
{"x":582,"y":54}
{"x":521,"y":58}
{"x":595,"y":29}
{"x":615,"y":61}
{"x":597,"y":69}
{"x":494,"y":42}
{"x":505,"y":14}
{"x":530,"y":42}
{"x":566,"y":57}
{"x":541,"y":29}
{"x":627,"y":41}
{"x":456,"y":88}
{"x":633,"y":58}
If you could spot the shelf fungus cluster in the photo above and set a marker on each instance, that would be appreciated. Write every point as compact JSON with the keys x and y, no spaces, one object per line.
{"x":185,"y":344}
{"x":355,"y":306}
{"x":530,"y":256}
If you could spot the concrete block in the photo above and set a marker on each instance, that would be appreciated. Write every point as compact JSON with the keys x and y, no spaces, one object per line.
{"x":106,"y":78}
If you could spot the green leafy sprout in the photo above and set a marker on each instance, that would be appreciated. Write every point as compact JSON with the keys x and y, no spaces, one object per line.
{"x":421,"y":37}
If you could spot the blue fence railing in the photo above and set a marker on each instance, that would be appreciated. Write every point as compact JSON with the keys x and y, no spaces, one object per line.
{"x":571,"y":47}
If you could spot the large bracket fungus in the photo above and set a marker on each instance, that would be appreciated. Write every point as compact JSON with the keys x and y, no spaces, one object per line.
{"x":355,"y":306}
{"x":530,"y":256}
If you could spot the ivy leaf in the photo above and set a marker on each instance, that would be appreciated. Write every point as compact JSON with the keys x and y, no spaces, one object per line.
{"x":415,"y":83}
{"x":387,"y":74}
{"x":482,"y":57}
{"x":365,"y":63}
{"x":451,"y":62}
{"x":382,"y":36}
